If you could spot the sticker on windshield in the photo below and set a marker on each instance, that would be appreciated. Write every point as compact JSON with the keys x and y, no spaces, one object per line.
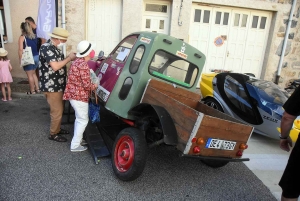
{"x":104,"y":67}
{"x":181,"y":54}
{"x":145,"y":40}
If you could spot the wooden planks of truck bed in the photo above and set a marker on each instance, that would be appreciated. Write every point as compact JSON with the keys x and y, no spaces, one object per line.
{"x":187,"y":112}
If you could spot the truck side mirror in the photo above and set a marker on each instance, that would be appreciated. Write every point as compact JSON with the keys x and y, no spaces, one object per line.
{"x":101,"y":54}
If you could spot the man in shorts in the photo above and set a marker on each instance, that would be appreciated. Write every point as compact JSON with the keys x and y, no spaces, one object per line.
{"x":291,"y":176}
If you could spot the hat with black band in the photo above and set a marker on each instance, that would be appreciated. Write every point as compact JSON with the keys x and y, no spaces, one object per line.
{"x":84,"y":48}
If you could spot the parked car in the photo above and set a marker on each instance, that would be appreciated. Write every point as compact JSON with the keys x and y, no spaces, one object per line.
{"x":251,"y":100}
{"x":149,"y":82}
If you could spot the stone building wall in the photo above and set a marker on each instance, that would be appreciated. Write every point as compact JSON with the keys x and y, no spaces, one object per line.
{"x":76,"y":14}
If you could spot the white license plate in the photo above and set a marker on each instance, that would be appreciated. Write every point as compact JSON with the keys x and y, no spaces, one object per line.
{"x":220,"y":144}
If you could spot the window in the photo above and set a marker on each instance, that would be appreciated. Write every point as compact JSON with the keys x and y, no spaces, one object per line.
{"x":197,"y":17}
{"x":206,"y":16}
{"x":236,"y":20}
{"x":148,"y":23}
{"x":236,"y":94}
{"x":254,"y":21}
{"x":135,"y":63}
{"x":123,"y":50}
{"x":173,"y":69}
{"x":244,"y":20}
{"x":225,"y":20}
{"x":156,"y":8}
{"x":161,"y":24}
{"x":218,"y":18}
{"x":263,"y":23}
{"x":125,"y":88}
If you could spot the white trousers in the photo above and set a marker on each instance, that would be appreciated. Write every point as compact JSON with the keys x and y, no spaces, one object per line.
{"x":81,"y":121}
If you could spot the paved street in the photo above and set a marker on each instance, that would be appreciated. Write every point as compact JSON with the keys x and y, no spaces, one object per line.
{"x":35,"y":168}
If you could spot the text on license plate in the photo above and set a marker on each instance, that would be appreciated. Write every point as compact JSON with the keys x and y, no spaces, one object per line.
{"x":220,"y":144}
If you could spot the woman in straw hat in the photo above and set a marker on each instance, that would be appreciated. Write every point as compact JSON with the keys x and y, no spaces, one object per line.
{"x":52,"y":71}
{"x":5,"y":76}
{"x":29,"y":38}
{"x":77,"y":91}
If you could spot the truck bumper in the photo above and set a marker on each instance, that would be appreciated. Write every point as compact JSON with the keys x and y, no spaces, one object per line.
{"x":216,"y":158}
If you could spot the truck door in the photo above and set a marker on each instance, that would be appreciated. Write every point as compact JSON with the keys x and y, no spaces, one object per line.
{"x":112,"y":67}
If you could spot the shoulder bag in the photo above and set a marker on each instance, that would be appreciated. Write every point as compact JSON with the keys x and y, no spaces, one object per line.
{"x":27,"y":57}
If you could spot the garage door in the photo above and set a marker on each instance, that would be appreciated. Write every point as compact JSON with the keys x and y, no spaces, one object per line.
{"x":232,"y":39}
{"x":104,"y":24}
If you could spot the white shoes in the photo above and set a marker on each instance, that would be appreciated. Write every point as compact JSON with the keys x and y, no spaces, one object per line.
{"x":79,"y":148}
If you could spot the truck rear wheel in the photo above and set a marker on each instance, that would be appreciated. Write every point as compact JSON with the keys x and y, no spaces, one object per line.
{"x":214,"y":163}
{"x":129,"y":154}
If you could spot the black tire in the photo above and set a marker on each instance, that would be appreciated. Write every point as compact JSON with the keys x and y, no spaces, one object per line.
{"x":214,"y":104}
{"x":129,"y":154}
{"x":214,"y":163}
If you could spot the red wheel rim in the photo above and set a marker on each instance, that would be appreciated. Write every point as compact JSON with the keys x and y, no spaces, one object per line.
{"x":124,"y":153}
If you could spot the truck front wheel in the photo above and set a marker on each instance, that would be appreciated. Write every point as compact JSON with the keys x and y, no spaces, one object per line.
{"x":214,"y":163}
{"x":129,"y":154}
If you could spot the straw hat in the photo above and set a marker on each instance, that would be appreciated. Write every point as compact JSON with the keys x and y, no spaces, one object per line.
{"x":59,"y":33}
{"x":84,"y":48}
{"x":3,"y":52}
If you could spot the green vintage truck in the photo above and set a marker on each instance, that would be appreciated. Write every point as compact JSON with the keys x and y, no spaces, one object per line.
{"x":148,"y":82}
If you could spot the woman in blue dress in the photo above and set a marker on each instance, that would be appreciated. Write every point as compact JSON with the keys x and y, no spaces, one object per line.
{"x":29,"y":38}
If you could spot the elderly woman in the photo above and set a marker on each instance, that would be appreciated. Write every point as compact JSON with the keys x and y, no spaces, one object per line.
{"x":29,"y":38}
{"x":78,"y":90}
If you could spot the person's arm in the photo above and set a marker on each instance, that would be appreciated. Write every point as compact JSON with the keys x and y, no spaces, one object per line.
{"x":56,"y":65}
{"x":10,"y":67}
{"x":287,"y":122}
{"x":86,"y":77}
{"x":43,"y":40}
{"x":20,"y":50}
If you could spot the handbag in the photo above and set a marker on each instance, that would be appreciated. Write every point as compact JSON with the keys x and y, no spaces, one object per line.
{"x":27,"y":57}
{"x":94,"y":110}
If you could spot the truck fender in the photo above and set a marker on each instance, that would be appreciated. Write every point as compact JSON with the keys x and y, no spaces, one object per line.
{"x":167,"y":124}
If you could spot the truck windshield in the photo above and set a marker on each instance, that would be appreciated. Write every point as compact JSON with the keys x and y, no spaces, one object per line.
{"x":173,"y":69}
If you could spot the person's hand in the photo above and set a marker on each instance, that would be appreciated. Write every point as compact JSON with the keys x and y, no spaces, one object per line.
{"x":94,"y":86}
{"x":285,"y":144}
{"x":72,"y":56}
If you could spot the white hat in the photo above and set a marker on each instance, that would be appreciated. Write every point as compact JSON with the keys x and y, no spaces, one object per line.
{"x":84,"y":48}
{"x":59,"y":33}
{"x":3,"y":52}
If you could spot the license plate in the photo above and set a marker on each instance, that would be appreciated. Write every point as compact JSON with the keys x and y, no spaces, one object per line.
{"x":102,"y":93}
{"x":220,"y":144}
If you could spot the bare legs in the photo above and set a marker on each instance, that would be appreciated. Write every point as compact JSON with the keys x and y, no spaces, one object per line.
{"x":4,"y":92}
{"x":33,"y":81}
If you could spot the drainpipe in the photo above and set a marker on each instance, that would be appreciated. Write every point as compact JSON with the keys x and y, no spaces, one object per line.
{"x":284,"y":42}
{"x":180,"y":22}
{"x":63,"y":20}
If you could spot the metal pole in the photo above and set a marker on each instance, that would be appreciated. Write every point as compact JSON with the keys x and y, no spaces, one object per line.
{"x":2,"y":31}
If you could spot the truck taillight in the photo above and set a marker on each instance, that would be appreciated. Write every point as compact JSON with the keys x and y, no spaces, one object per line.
{"x":239,"y":153}
{"x":196,"y":149}
{"x":243,"y":146}
{"x":200,"y":140}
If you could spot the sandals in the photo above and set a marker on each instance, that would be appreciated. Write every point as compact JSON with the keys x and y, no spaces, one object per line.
{"x":3,"y":99}
{"x":57,"y":138}
{"x":30,"y":92}
{"x":63,"y":132}
{"x":38,"y":91}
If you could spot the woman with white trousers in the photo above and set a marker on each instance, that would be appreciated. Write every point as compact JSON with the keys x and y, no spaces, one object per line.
{"x":78,"y":90}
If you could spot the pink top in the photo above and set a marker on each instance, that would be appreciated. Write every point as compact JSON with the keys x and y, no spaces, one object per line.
{"x":79,"y":82}
{"x":5,"y":76}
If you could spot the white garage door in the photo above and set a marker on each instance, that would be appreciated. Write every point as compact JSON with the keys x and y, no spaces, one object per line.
{"x":104,"y":24}
{"x":232,"y":39}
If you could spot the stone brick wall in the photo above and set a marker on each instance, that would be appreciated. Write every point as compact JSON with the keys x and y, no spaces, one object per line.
{"x":76,"y":15}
